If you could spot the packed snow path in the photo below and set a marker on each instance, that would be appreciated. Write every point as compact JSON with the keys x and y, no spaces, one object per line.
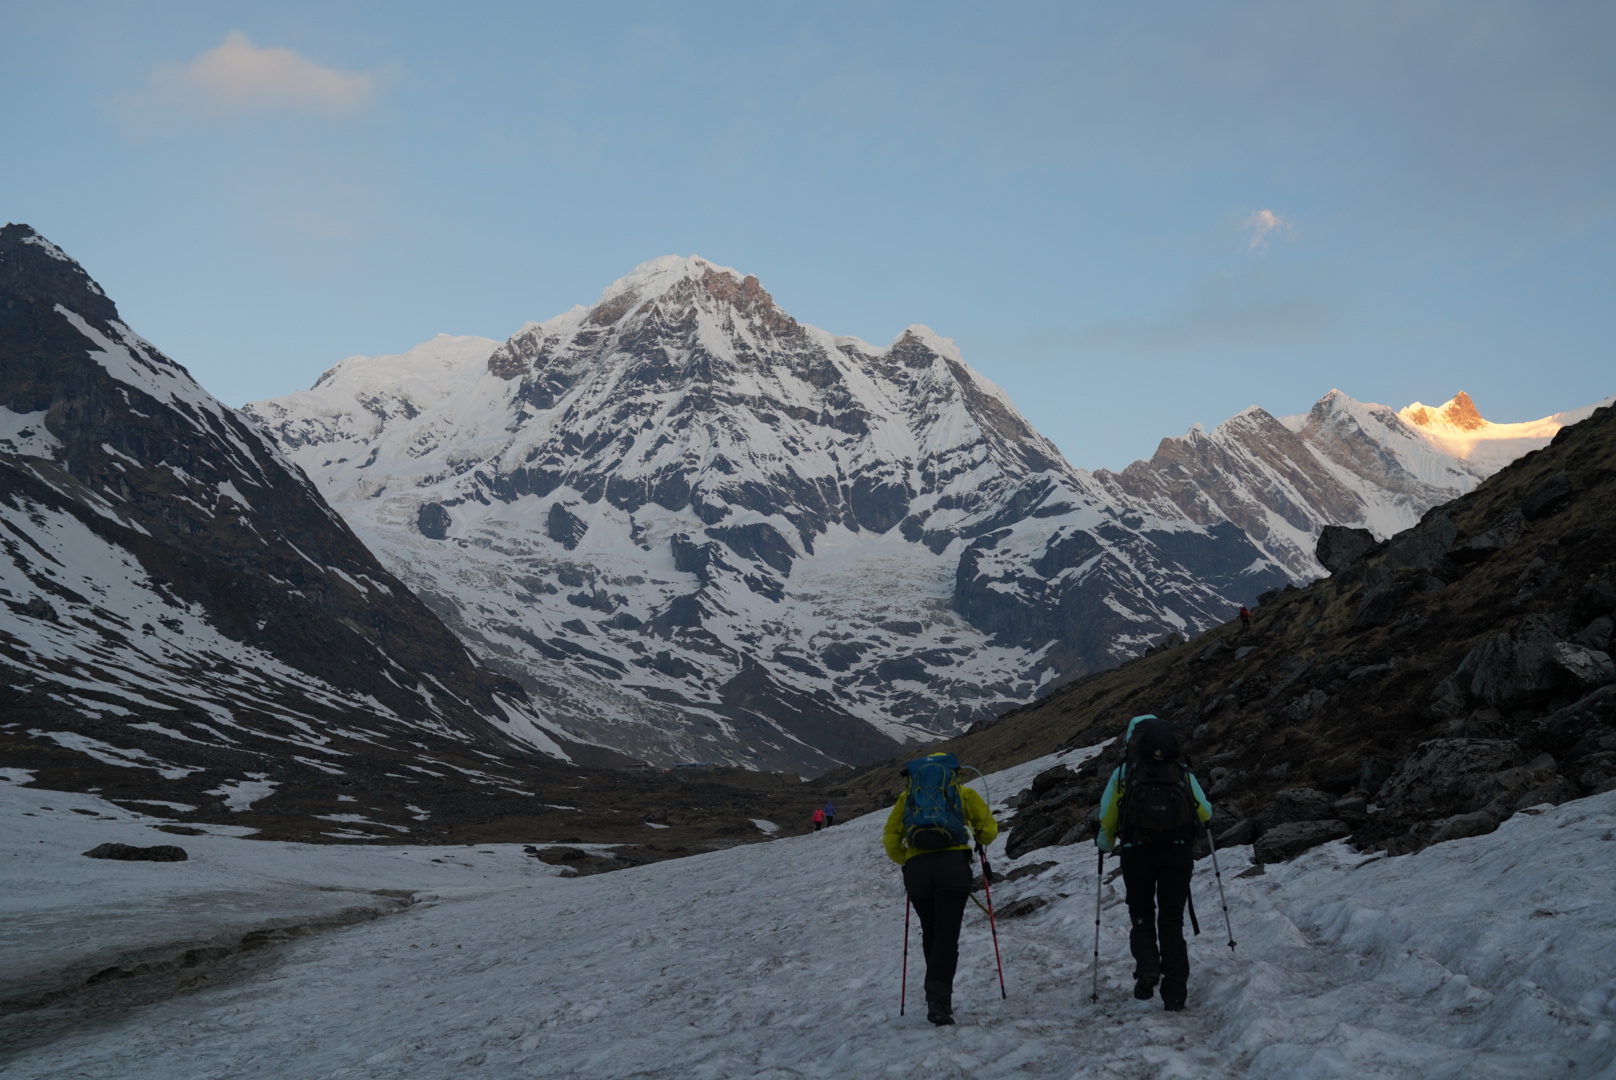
{"x":1482,"y":958}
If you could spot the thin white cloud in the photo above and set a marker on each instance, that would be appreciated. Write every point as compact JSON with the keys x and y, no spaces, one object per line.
{"x":238,"y":78}
{"x":1265,"y":224}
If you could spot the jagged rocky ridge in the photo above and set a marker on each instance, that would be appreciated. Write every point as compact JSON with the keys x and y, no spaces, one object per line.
{"x":1282,"y":480}
{"x":1436,"y":683}
{"x":183,"y":618}
{"x":694,"y":528}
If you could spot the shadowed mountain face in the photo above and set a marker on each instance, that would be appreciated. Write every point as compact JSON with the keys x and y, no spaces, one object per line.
{"x":695,"y":528}
{"x":179,"y":603}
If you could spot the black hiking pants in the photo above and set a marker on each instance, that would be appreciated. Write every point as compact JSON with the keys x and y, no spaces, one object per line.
{"x":938,"y":884}
{"x":1157,"y":878}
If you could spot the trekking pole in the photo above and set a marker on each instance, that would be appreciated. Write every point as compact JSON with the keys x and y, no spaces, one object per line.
{"x":1099,"y":881}
{"x":903,"y":987}
{"x":1227,"y":925}
{"x":987,"y":887}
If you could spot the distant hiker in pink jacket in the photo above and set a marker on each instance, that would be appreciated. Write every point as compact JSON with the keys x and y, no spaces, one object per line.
{"x":819,"y":818}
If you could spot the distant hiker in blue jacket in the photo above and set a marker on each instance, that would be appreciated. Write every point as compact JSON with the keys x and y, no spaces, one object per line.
{"x":1154,"y":807}
{"x":830,"y":814}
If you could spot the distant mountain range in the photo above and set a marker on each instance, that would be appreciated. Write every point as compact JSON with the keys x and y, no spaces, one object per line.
{"x":1281,"y":480}
{"x":694,"y":528}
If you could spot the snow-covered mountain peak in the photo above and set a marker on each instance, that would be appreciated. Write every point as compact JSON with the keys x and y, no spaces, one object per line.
{"x":657,"y":277}
{"x":1457,"y":428}
{"x":748,"y":520}
{"x":1457,"y":412}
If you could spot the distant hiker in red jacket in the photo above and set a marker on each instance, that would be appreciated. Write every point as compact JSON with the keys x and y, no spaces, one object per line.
{"x":1245,"y":617}
{"x":819,"y":818}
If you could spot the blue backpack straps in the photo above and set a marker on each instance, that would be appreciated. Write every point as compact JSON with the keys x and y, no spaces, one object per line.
{"x":933,"y":813}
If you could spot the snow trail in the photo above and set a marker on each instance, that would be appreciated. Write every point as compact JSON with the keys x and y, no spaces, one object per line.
{"x":1482,"y":958}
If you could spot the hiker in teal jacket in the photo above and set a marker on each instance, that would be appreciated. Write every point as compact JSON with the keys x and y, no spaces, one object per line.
{"x":1157,"y":863}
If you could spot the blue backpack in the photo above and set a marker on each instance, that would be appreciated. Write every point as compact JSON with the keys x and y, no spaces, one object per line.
{"x":933,"y":813}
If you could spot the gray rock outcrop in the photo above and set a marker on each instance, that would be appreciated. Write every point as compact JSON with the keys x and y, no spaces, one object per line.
{"x":131,"y":853}
{"x":1339,"y":547}
{"x":1283,"y":842}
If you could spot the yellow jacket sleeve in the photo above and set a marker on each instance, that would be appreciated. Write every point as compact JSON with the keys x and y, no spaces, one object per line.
{"x":892,"y":835}
{"x":978,"y":816}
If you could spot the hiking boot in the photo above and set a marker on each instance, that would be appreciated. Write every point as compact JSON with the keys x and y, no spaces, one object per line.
{"x":1144,"y":986}
{"x":940,"y":1011}
{"x":1174,"y":993}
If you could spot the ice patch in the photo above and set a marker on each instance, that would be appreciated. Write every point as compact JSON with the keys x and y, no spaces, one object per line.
{"x":241,"y":794}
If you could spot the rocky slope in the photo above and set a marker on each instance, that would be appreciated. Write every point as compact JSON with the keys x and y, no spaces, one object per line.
{"x":693,"y":527}
{"x":1433,"y":685}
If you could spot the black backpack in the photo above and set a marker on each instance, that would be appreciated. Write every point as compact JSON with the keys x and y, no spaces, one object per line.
{"x":1157,"y":805}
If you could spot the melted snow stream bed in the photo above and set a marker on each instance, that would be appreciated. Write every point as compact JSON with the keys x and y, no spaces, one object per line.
{"x":1481,"y":958}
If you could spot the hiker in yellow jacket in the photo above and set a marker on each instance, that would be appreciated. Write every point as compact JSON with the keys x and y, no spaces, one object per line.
{"x":928,"y":833}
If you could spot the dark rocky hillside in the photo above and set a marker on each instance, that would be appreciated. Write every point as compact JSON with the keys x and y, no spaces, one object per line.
{"x":1430,"y":687}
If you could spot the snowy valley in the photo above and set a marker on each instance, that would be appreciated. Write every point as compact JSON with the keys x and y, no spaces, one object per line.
{"x":1487,"y":957}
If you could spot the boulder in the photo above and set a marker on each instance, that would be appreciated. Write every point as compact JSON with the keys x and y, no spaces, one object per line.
{"x":39,"y":608}
{"x":1596,"y":635}
{"x":1388,"y":595}
{"x":130,"y":853}
{"x":1049,"y":779}
{"x":1423,"y":547}
{"x":1339,"y":547}
{"x":1287,"y":841}
{"x":1305,"y":706}
{"x":1448,"y":776}
{"x":1238,"y":834}
{"x":1025,"y":906}
{"x":1030,"y":870}
{"x":1547,"y":497}
{"x":1588,"y":668}
{"x":1597,"y":598}
{"x":1593,"y":711}
{"x":1353,"y":809}
{"x":1480,"y":547}
{"x":1299,"y":804}
{"x":1449,"y":700}
{"x":1463,"y":825}
{"x":1556,"y":791}
{"x":1513,"y":669}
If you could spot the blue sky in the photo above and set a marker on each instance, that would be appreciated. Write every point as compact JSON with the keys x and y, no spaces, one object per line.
{"x":1132,"y":216}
